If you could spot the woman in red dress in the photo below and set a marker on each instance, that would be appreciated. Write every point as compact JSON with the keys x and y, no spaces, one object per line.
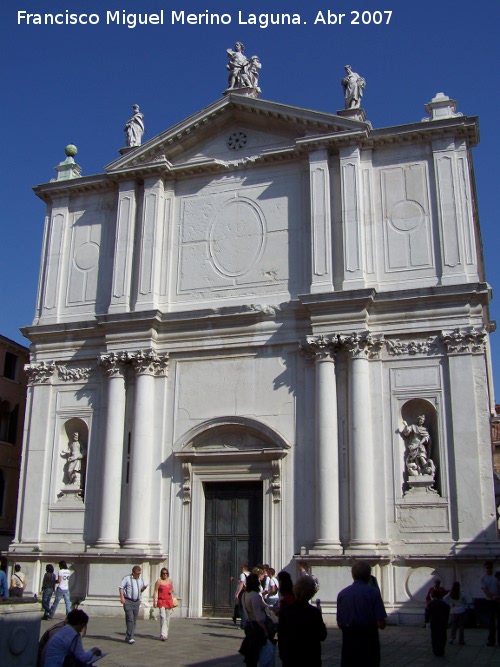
{"x":162,"y":599}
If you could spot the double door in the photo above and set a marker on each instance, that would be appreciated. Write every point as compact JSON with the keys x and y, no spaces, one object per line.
{"x":233,"y":536}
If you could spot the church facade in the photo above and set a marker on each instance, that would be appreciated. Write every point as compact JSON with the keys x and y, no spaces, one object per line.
{"x":263,"y":335}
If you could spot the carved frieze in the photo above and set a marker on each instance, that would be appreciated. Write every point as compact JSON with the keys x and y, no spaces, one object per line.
{"x":74,"y":373}
{"x":398,"y":347}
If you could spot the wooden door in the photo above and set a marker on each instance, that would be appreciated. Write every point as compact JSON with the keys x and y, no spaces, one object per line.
{"x":233,"y":535}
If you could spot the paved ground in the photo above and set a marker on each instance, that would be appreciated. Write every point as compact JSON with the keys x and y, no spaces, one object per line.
{"x":215,"y":643}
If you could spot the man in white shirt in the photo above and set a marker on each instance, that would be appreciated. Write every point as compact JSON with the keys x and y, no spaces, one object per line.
{"x":130,"y":596}
{"x":62,"y":588}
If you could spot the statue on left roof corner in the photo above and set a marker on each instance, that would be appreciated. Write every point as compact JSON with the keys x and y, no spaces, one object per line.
{"x":134,"y":128}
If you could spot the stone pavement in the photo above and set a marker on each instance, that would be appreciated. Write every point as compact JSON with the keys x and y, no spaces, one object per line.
{"x":215,"y":642}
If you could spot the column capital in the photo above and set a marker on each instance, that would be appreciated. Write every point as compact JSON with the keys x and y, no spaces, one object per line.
{"x":113,"y":364}
{"x":148,"y":362}
{"x":39,"y":373}
{"x":320,"y":348}
{"x":361,"y":345}
{"x":464,"y":341}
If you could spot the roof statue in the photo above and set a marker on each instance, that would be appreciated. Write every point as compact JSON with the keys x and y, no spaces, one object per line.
{"x":243,"y":72}
{"x":134,"y":128}
{"x":353,"y":85}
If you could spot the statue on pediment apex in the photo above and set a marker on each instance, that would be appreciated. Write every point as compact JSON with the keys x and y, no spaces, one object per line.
{"x":243,"y":72}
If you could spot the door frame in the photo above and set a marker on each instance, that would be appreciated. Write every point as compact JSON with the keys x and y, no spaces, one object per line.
{"x":227,"y":464}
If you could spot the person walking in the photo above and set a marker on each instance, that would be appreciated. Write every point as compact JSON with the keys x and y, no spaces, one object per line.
{"x":437,"y":613}
{"x":62,"y":590}
{"x":458,"y":606}
{"x":163,"y":600}
{"x":130,"y":596}
{"x":491,"y":589}
{"x":48,"y":585}
{"x":301,"y":628}
{"x":360,"y":615}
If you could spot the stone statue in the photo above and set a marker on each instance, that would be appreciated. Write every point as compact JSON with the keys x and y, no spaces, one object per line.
{"x":418,"y":449}
{"x":353,"y":85}
{"x":243,"y":72}
{"x":134,"y":128}
{"x":74,"y":457}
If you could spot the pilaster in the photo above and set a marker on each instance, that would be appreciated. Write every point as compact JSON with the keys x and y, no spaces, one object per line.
{"x":321,"y":223}
{"x":124,"y":248}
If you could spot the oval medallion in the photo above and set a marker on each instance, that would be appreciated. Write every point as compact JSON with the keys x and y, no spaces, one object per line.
{"x":236,"y":238}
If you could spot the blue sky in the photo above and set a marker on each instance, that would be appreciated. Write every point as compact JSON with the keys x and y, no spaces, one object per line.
{"x":66,"y":83}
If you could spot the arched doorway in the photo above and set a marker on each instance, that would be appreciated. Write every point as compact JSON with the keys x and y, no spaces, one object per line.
{"x":233,"y":510}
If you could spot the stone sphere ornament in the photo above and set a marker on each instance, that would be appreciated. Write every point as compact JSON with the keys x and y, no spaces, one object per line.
{"x":71,"y":150}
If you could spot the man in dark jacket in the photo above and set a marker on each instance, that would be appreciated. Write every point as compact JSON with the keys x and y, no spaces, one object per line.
{"x":360,"y":615}
{"x":301,"y":628}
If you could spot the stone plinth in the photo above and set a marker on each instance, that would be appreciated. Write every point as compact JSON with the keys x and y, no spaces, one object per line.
{"x":19,"y":632}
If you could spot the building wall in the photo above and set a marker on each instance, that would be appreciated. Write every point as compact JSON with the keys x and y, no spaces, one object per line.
{"x":278,"y":318}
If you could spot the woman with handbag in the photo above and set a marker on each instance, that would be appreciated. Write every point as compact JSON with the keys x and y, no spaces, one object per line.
{"x":256,"y":632}
{"x":164,"y":600}
{"x":17,"y":583}
{"x":65,"y":648}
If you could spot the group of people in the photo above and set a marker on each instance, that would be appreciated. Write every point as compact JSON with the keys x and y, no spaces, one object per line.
{"x":298,"y":623}
{"x":443,"y":604}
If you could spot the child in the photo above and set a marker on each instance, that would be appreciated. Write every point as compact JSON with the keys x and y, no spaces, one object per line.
{"x":437,"y":613}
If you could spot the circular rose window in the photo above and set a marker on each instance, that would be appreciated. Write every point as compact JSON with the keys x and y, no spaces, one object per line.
{"x":237,"y":140}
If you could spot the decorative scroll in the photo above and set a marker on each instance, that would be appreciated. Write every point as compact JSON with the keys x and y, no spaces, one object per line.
{"x":276,"y":480}
{"x":187,"y":474}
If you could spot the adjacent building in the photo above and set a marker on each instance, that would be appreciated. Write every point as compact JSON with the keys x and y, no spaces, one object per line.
{"x":263,"y":335}
{"x":13,"y":384}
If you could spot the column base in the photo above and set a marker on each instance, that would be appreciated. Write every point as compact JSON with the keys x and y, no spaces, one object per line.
{"x":105,"y":545}
{"x":326,"y":546}
{"x":142,"y":547}
{"x":362,"y":548}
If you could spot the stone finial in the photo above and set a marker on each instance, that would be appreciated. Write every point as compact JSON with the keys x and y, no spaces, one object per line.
{"x":68,"y":169}
{"x":243,"y":72}
{"x":441,"y":107}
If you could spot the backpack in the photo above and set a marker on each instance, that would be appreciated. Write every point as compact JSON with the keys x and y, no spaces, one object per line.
{"x":44,"y":640}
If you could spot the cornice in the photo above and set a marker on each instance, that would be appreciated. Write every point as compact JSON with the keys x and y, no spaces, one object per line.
{"x":83,"y":185}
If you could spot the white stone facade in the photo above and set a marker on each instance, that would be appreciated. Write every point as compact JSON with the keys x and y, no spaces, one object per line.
{"x":267,"y":309}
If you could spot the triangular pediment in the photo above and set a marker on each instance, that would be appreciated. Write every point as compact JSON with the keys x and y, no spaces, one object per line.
{"x":236,"y":128}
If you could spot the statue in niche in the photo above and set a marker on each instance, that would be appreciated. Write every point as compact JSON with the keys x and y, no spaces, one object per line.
{"x":417,"y":459}
{"x":74,"y":455}
{"x":243,"y":72}
{"x":353,"y":86}
{"x":134,"y":128}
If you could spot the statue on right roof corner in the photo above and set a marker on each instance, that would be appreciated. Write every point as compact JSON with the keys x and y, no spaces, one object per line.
{"x":353,"y":85}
